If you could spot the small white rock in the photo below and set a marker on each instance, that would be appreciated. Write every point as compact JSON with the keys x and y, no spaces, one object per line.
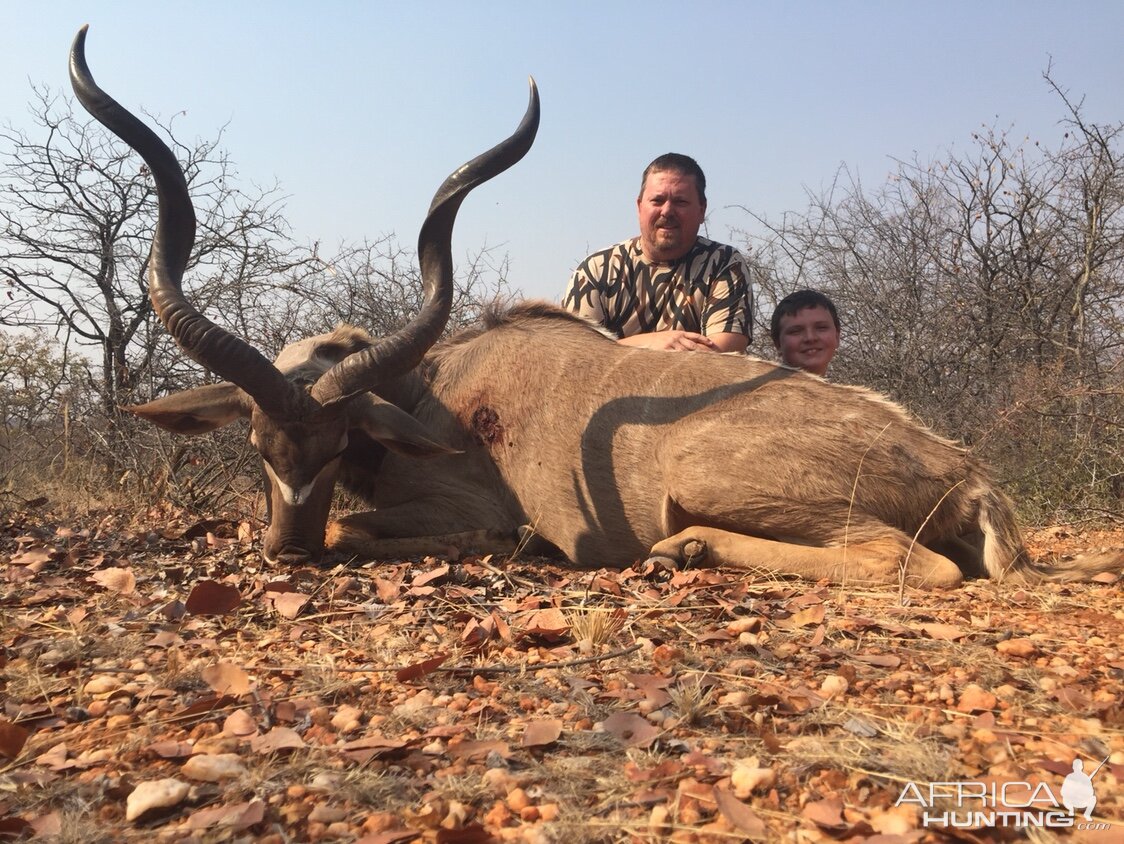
{"x":747,"y":779}
{"x":735,"y":699}
{"x":656,"y":716}
{"x":324,"y":783}
{"x":221,"y":766}
{"x":746,"y":624}
{"x":103,"y":684}
{"x":833,"y":686}
{"x":154,"y":794}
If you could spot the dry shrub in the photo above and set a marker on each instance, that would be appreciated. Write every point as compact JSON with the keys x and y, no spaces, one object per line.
{"x":1057,"y":447}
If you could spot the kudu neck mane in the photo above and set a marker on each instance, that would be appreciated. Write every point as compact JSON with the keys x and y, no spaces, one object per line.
{"x":535,"y":317}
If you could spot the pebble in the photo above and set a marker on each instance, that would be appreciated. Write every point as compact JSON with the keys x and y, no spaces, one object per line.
{"x":154,"y":794}
{"x":347,"y":718}
{"x":750,"y":624}
{"x":737,"y":699}
{"x":747,"y":778}
{"x":975,"y":698}
{"x":833,"y":686}
{"x":223,"y":766}
{"x":548,"y":811}
{"x":1023,"y":648}
{"x":517,"y":800}
{"x":103,"y":684}
{"x":326,"y":814}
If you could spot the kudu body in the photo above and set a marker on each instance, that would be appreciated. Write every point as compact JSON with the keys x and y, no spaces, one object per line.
{"x":610,"y":453}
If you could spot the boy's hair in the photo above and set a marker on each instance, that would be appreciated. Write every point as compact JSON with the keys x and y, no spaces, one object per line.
{"x":793,"y":303}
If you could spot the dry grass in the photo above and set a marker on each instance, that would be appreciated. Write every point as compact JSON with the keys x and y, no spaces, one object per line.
{"x":898,"y":751}
{"x":692,"y":699}
{"x":592,"y":627}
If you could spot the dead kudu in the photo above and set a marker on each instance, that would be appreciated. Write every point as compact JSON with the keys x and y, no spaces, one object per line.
{"x":611,"y":454}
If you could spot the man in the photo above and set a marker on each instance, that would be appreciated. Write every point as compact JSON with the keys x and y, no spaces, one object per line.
{"x":805,"y":331}
{"x":668,"y":288}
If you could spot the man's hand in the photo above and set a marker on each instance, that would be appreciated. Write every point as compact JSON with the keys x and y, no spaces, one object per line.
{"x":674,"y":340}
{"x":687,"y":341}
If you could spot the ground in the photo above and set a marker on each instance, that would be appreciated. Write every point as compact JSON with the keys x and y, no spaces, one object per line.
{"x":160,"y":683}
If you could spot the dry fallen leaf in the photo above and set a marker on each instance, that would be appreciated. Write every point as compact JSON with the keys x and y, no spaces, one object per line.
{"x":212,"y":598}
{"x":419,"y":669}
{"x":740,"y":816}
{"x":279,"y":738}
{"x":235,"y":816}
{"x":1074,"y":698}
{"x":11,"y":827}
{"x":364,"y":749}
{"x":117,"y":580}
{"x":32,"y":556}
{"x":202,"y":707}
{"x":288,"y":604}
{"x":826,"y":813}
{"x":429,"y":577}
{"x":540,"y":732}
{"x":227,"y":679}
{"x":947,"y":632}
{"x":56,"y":758}
{"x":390,"y":836}
{"x":12,"y":739}
{"x":549,"y":624}
{"x":239,"y":723}
{"x":630,"y":729}
{"x":48,"y":825}
{"x":879,"y":660}
{"x":477,"y":633}
{"x":805,"y":617}
{"x":469,"y":750}
{"x":171,"y":749}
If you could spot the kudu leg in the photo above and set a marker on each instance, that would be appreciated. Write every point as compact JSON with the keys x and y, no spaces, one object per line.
{"x":350,"y":535}
{"x":877,"y":561}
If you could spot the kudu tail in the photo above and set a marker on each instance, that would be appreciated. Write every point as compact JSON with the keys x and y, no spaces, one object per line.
{"x":1006,"y":558}
{"x":1004,"y":555}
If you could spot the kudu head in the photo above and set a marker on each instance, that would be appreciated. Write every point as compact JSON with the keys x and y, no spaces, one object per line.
{"x":300,"y":429}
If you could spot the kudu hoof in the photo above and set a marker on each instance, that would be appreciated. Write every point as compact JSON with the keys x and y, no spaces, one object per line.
{"x":679,"y":553}
{"x":694,"y":552}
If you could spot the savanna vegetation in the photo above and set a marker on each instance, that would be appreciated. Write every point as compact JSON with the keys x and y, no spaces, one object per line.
{"x":983,"y":290}
{"x":158,"y":681}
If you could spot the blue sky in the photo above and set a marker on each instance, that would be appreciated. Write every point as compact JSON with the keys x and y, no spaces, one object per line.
{"x":359,"y":110}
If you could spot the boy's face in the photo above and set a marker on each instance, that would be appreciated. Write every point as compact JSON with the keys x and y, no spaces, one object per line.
{"x":808,"y":339}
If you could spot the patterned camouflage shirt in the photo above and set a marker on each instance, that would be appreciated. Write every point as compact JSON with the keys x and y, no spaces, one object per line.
{"x":706,"y":291}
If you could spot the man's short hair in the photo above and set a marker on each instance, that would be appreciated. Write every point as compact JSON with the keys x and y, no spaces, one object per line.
{"x":676,"y":163}
{"x":793,"y":303}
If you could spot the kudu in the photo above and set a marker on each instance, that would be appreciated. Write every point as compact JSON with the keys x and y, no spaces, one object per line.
{"x":610,"y":453}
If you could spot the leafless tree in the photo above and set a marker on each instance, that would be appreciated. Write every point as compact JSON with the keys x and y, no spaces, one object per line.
{"x":985,"y":290}
{"x":77,"y":213}
{"x":76,"y":216}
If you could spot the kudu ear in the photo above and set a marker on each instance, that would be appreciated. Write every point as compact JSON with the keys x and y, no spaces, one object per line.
{"x":196,"y":411}
{"x":394,"y":428}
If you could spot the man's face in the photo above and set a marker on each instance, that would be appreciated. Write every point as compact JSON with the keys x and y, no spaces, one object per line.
{"x":808,"y":339}
{"x":670,"y":215}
